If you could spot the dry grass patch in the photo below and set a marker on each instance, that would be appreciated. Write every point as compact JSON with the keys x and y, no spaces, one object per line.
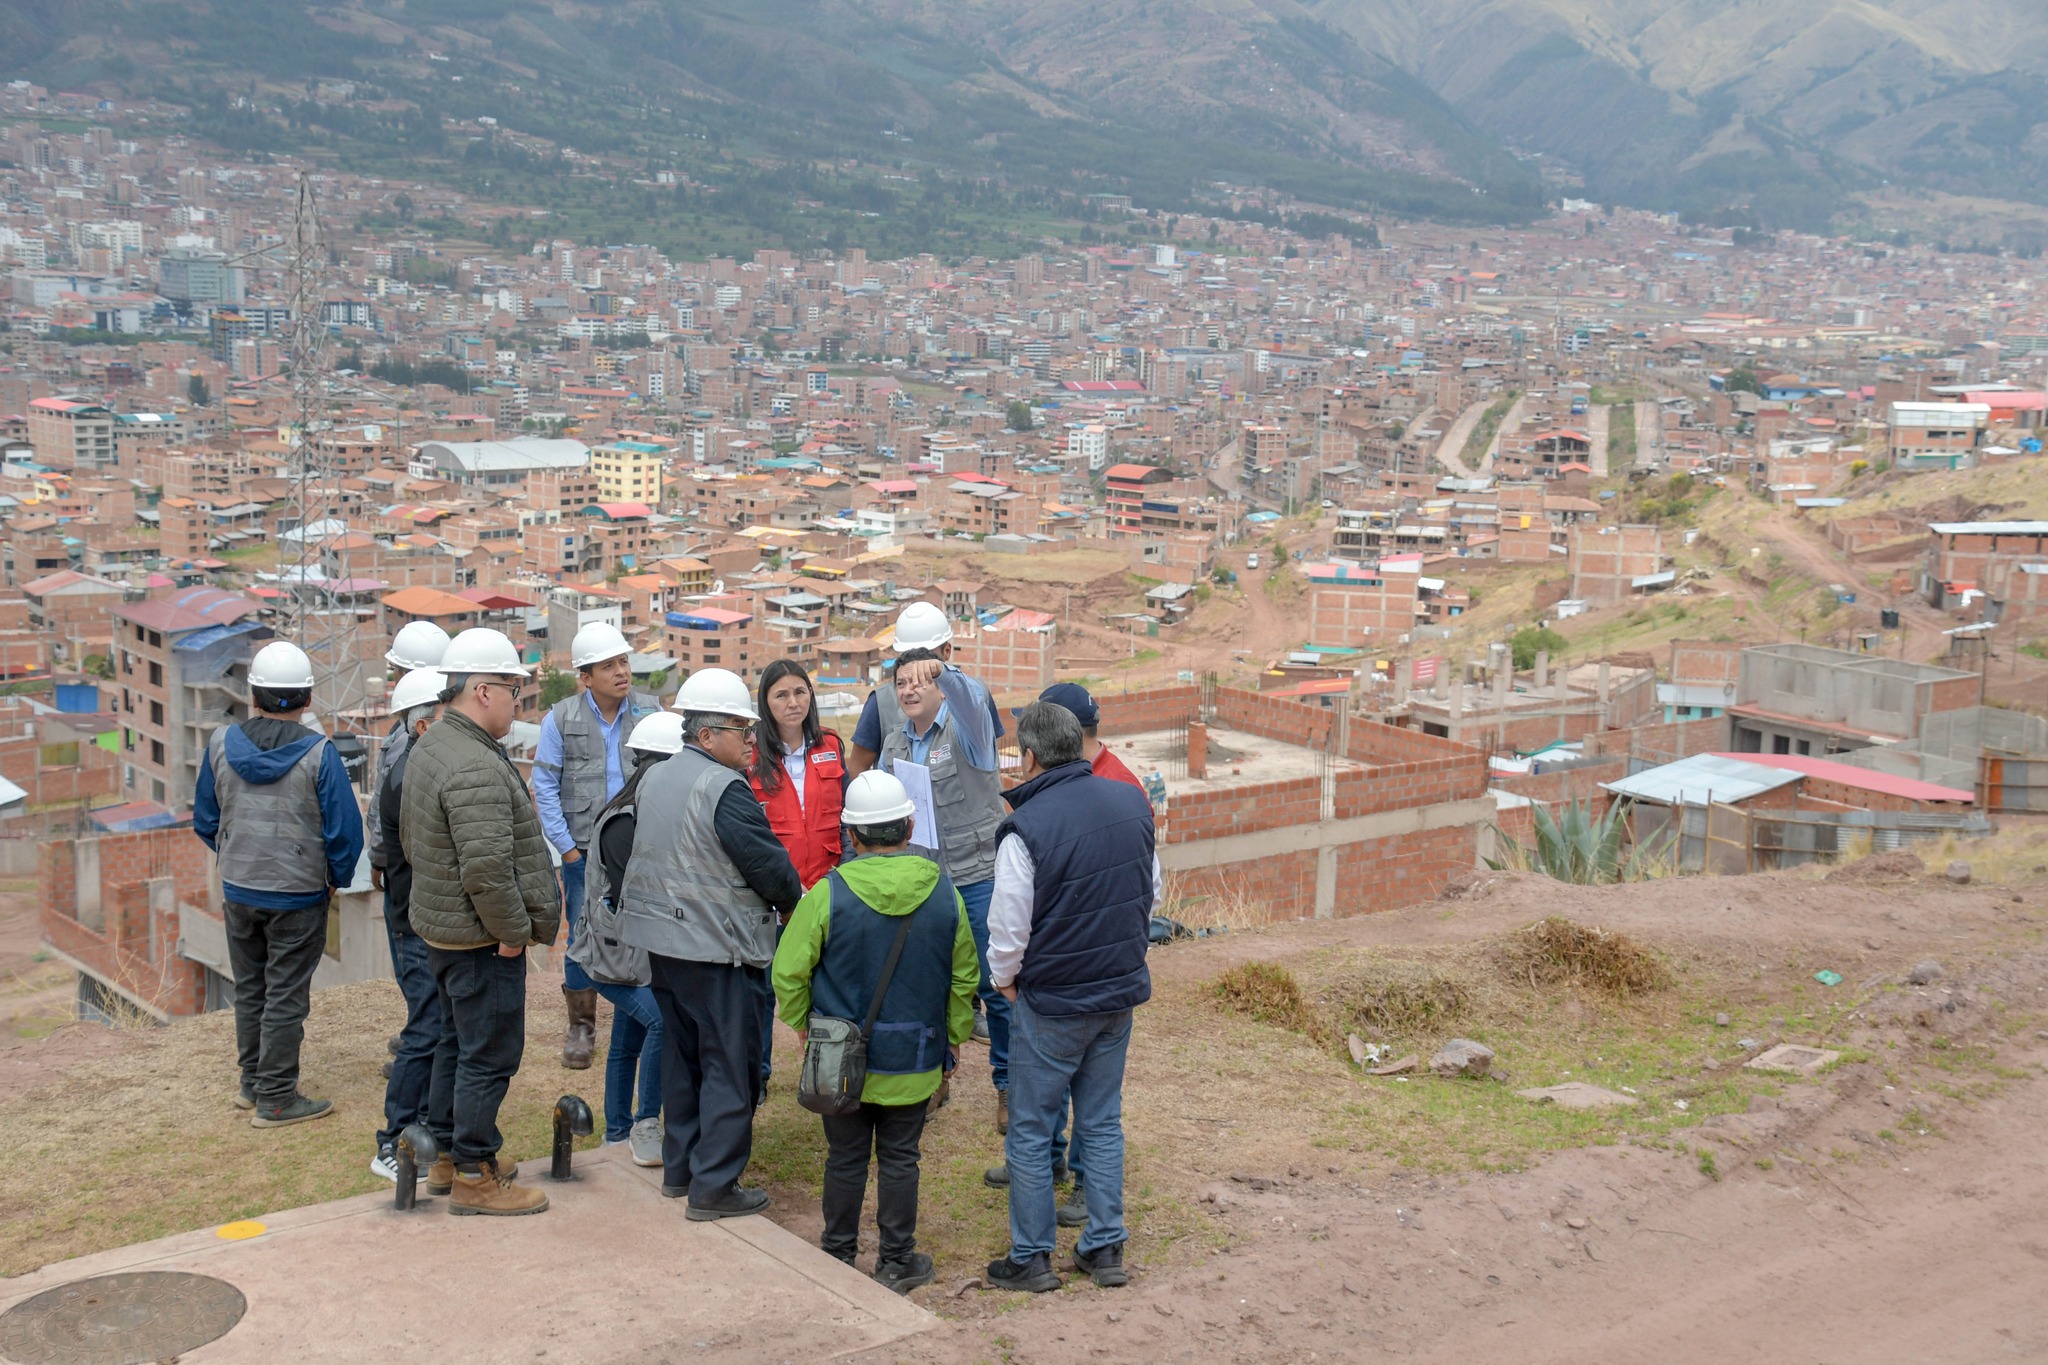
{"x":1558,"y":951}
{"x":1268,"y":992}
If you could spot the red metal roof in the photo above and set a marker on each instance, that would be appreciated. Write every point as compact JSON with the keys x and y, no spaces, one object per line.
{"x":1863,"y":779}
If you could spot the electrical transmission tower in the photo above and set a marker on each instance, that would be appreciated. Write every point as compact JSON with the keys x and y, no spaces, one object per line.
{"x":318,"y":619}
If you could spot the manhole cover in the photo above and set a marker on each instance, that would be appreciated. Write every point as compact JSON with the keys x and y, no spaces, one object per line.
{"x":137,"y":1316}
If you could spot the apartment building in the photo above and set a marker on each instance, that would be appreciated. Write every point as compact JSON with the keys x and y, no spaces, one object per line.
{"x":1611,"y":563}
{"x":1991,"y":568}
{"x":1937,"y":435}
{"x":1806,"y":699}
{"x":181,"y":667}
{"x":628,"y":471}
{"x":1359,"y":606}
{"x":71,"y":433}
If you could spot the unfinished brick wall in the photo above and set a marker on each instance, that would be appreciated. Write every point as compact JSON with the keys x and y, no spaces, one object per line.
{"x":1011,"y":662}
{"x":1287,"y":719}
{"x":1386,"y":874}
{"x":1242,"y":810}
{"x":1665,"y":742}
{"x":1277,"y":887}
{"x":1154,"y":708}
{"x":133,"y":943}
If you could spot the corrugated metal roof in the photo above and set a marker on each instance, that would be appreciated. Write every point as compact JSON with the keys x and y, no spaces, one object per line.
{"x":1700,"y":779}
{"x":1863,"y":779}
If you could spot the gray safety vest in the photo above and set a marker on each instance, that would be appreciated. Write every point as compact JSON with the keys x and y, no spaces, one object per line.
{"x":598,"y":949}
{"x":969,"y":802}
{"x":271,"y":836}
{"x":682,"y":897}
{"x":580,"y":778}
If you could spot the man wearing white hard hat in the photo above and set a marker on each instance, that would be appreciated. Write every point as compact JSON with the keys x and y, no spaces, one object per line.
{"x":274,"y":804}
{"x":483,"y":892}
{"x":918,"y":626}
{"x":579,"y":765}
{"x":834,"y":962}
{"x":703,"y":890}
{"x":418,"y":645}
{"x":632,"y":1064}
{"x":414,"y":702}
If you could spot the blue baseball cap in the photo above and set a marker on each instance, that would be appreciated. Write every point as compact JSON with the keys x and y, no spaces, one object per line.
{"x":1073,"y":697}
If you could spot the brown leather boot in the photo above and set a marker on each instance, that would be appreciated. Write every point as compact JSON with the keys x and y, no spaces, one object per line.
{"x":491,"y":1191}
{"x":440,"y":1176}
{"x":582,"y":1038}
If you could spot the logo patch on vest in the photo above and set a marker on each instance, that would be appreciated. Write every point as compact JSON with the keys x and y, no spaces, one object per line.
{"x":942,"y":754}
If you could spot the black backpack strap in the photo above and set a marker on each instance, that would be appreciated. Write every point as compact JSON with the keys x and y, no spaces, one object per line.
{"x":888,"y":970}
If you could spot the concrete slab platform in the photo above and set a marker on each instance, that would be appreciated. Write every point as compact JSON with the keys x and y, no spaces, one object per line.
{"x":1236,"y":759}
{"x":612,"y":1271}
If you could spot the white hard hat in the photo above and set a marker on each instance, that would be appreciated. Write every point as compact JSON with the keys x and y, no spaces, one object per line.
{"x":282,"y":667}
{"x":418,"y":644}
{"x":922,"y":626}
{"x":483,"y":650}
{"x":596,"y":642}
{"x":875,"y":798}
{"x":660,"y":733}
{"x":718,"y":691}
{"x":421,"y":687}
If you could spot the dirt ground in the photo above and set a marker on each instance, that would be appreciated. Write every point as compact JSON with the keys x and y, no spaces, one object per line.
{"x":1285,"y":1207}
{"x":1894,"y":1210}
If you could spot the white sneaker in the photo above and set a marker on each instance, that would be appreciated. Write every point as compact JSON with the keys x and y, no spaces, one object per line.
{"x":385,"y":1164}
{"x":646,"y":1140}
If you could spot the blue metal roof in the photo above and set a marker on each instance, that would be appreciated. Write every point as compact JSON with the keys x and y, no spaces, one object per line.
{"x":201,"y":639}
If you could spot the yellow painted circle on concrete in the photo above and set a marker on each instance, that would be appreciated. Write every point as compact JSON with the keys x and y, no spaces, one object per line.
{"x":240,"y":1232}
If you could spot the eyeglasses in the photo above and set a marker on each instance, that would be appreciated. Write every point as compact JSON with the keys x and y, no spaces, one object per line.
{"x":736,"y":729}
{"x":511,"y":685}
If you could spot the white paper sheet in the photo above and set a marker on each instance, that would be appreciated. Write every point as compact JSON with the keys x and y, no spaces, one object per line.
{"x":917,"y":784}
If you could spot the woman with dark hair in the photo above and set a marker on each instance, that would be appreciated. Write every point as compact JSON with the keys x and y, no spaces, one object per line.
{"x":799,"y":777}
{"x":799,"y":771}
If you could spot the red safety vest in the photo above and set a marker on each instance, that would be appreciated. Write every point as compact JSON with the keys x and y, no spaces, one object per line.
{"x":809,"y":831}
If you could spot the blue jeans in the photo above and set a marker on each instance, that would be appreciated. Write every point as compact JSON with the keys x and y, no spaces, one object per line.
{"x":635,"y":1047}
{"x":412,"y":1070}
{"x":1083,"y":1053}
{"x":767,"y":994}
{"x":574,"y":978}
{"x":976,"y":897}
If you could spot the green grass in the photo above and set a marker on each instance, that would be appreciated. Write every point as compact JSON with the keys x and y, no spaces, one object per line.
{"x":1655,"y":1046}
{"x":1621,"y":436}
{"x":1489,"y":423}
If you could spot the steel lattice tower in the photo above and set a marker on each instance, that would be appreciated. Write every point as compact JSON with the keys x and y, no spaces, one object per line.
{"x":316,"y":619}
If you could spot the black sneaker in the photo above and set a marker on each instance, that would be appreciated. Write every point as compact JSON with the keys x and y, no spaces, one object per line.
{"x":1074,"y":1212}
{"x":297,"y":1109}
{"x":1032,"y":1277}
{"x":1105,"y":1266}
{"x":998,"y":1177}
{"x":736,"y":1202}
{"x":906,"y":1273}
{"x":245,"y":1099}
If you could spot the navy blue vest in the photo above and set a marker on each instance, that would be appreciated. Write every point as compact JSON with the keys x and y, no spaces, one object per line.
{"x":910,"y":1035}
{"x":1090,"y":840}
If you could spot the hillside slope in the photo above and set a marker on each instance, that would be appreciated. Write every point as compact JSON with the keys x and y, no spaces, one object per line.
{"x":1707,"y":105}
{"x":1161,"y":99}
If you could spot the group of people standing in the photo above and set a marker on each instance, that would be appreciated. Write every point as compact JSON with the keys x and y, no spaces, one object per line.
{"x":748,"y":864}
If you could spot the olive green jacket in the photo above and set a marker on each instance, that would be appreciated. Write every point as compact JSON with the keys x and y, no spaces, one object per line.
{"x":481,"y":873}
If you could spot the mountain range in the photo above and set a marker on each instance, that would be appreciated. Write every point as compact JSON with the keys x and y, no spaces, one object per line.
{"x":1757,"y":111}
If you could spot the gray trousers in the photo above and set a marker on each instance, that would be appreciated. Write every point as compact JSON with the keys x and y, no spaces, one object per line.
{"x":273,"y":954}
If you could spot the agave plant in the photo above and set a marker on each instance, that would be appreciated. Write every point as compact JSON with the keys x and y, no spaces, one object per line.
{"x":1578,"y":847}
